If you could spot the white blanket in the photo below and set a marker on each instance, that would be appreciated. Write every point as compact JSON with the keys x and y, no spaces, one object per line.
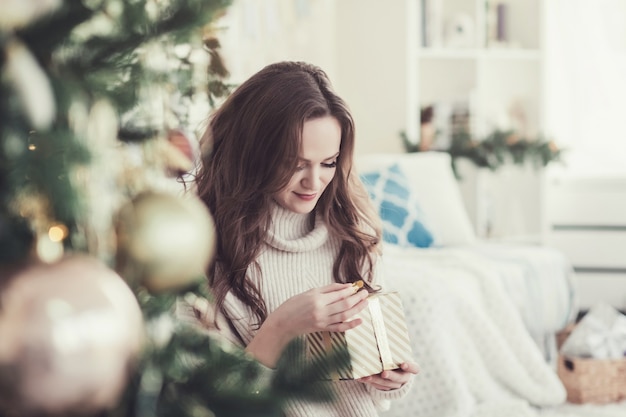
{"x":539,"y":280}
{"x":476,"y":355}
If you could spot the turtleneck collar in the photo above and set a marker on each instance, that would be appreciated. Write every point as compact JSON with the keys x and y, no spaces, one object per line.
{"x":292,"y":232}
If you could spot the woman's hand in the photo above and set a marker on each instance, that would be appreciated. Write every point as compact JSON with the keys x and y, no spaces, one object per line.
{"x":328,"y":308}
{"x":394,"y":379}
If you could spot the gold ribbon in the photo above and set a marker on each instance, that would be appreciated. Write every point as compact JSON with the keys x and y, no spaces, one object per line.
{"x":378,"y":324}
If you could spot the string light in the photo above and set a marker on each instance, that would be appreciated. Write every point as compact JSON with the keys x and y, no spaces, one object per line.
{"x":57,"y":233}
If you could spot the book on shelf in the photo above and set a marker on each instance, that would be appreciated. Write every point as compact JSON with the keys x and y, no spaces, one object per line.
{"x":431,"y":23}
{"x":497,"y":21}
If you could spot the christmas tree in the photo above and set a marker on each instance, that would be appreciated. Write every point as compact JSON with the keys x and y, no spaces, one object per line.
{"x":97,"y":239}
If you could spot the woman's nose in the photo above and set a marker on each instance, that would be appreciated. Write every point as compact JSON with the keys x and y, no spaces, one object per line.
{"x":312,"y":180}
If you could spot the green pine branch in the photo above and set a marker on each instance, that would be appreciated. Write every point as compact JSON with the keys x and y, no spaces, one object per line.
{"x":498,"y":148}
{"x":194,"y":373}
{"x":84,"y":67}
{"x":185,"y":372}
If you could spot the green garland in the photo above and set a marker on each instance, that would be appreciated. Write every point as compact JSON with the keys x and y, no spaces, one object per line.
{"x":496,"y":149}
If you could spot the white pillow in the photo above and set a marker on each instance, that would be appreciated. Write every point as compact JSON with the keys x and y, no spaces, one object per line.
{"x":432,"y":181}
{"x":403,"y":219}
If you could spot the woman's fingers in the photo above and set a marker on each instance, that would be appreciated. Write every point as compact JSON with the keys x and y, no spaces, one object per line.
{"x":383,"y":384}
{"x":337,"y":292}
{"x":340,"y":293}
{"x":334,"y":287}
{"x":335,"y":304}
{"x":394,"y":379}
{"x":410,"y":367}
{"x":343,"y":326}
{"x":343,"y":310}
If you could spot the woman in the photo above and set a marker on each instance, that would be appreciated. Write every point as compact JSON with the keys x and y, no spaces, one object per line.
{"x":294,"y":225}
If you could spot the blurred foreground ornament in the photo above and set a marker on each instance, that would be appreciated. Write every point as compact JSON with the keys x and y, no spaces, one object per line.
{"x":31,"y":84}
{"x":19,"y":13}
{"x":48,"y":250}
{"x":164,"y":242}
{"x":71,"y":332}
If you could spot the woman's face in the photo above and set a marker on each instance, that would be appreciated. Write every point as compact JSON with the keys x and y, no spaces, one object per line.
{"x":321,"y":139}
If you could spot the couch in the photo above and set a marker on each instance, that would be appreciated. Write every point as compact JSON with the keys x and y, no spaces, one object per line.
{"x":481,"y":315}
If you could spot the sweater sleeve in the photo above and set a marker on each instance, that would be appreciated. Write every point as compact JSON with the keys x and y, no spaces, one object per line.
{"x":382,"y":399}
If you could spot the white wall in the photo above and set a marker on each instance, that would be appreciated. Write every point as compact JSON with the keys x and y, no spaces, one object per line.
{"x":257,"y":33}
{"x":371,"y":70}
{"x":357,"y":43}
{"x":585,"y":84}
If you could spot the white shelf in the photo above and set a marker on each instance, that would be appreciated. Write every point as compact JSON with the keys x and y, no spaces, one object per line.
{"x":512,"y":54}
{"x":484,"y":85}
{"x":444,"y":53}
{"x":493,"y":53}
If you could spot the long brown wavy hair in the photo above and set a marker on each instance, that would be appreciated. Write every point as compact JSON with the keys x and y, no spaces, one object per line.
{"x":254,"y":142}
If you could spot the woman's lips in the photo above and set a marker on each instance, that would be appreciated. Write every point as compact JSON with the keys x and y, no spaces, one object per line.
{"x":306,"y":197}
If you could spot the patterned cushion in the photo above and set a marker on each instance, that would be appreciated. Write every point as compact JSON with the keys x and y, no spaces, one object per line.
{"x":403,"y":220}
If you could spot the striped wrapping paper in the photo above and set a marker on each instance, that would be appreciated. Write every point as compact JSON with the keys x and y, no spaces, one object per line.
{"x":380,"y":343}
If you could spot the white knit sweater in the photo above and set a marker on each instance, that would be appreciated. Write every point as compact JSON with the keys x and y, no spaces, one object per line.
{"x":295,"y":259}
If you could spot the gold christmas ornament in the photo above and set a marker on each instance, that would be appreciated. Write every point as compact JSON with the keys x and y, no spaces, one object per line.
{"x":164,"y":242}
{"x":71,"y":332}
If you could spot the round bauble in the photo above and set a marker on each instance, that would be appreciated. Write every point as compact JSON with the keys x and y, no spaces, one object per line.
{"x":164,"y":242}
{"x":71,"y":332}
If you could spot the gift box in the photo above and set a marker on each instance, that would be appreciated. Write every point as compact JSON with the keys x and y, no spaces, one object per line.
{"x":380,"y":343}
{"x":588,"y":380}
{"x":591,"y":362}
{"x":600,"y":334}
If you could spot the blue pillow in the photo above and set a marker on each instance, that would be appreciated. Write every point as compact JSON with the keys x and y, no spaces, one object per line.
{"x":402,"y":218}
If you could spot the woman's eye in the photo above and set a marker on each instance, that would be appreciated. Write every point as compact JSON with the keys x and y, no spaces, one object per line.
{"x":330,"y":165}
{"x":300,"y":167}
